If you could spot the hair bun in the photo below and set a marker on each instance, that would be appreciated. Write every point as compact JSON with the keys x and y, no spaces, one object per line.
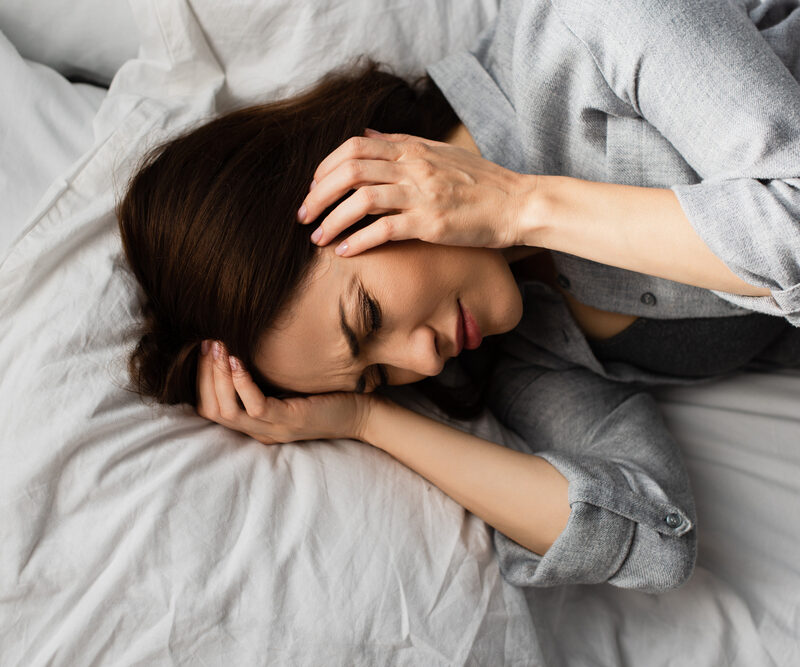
{"x":163,"y":367}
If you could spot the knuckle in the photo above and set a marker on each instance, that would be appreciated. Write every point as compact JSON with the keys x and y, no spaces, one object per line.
{"x":355,"y":168}
{"x":417,"y":148}
{"x":425,"y":167}
{"x":355,"y":145}
{"x":437,"y":223}
{"x":388,"y":226}
{"x":257,"y":411}
{"x":228,"y":413}
{"x":367,"y":196}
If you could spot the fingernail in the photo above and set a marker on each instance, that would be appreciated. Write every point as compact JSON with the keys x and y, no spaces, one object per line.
{"x":215,"y":350}
{"x":371,"y":131}
{"x":342,"y":248}
{"x":204,"y":348}
{"x":235,"y":365}
{"x":312,"y":186}
{"x":317,"y":235}
{"x":301,"y":214}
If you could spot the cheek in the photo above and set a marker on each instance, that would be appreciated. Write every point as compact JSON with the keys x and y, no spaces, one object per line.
{"x":415,"y":284}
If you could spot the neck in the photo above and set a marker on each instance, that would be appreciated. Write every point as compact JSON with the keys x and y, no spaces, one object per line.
{"x":461,"y":137}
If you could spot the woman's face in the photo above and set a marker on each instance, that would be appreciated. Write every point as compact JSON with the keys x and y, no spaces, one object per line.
{"x":416,"y":287}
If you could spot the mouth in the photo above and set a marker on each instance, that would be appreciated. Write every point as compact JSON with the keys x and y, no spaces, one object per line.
{"x":469,"y":331}
{"x":459,"y":337}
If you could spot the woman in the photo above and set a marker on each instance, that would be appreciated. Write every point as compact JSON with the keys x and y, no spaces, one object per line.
{"x":208,"y":227}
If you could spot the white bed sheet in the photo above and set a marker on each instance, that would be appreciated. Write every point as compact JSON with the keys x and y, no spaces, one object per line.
{"x":45,"y":125}
{"x":740,"y":439}
{"x":137,"y":535}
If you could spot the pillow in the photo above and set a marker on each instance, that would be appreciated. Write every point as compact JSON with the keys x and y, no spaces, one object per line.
{"x":301,"y":39}
{"x":45,"y":125}
{"x":148,"y":535}
{"x":274,"y":48}
{"x":87,"y":39}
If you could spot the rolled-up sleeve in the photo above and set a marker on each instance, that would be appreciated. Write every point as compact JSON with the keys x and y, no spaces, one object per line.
{"x":632,"y":514}
{"x":708,"y":80}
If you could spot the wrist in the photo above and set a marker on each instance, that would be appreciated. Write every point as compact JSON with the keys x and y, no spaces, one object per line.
{"x":535,"y":214}
{"x":374,"y":408}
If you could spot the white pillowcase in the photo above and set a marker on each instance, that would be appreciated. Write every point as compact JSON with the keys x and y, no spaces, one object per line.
{"x":267,"y":46}
{"x":152,"y":536}
{"x":275,"y":48}
{"x":86,"y":38}
{"x":45,"y":125}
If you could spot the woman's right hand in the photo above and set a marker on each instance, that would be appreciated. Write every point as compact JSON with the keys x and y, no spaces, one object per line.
{"x":432,"y":191}
{"x":273,"y":420}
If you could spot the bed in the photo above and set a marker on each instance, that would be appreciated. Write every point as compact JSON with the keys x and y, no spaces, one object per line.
{"x":139,"y":535}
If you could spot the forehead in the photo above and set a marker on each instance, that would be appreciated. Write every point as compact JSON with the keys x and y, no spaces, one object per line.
{"x":305,"y":351}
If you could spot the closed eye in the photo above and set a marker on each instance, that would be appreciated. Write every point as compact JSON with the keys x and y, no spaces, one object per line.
{"x":372,"y":314}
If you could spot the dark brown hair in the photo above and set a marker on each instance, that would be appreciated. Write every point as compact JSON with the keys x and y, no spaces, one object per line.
{"x":208,"y":222}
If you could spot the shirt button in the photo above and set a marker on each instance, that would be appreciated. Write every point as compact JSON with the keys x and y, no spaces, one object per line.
{"x":562,"y":280}
{"x":673,"y":520}
{"x":648,"y":299}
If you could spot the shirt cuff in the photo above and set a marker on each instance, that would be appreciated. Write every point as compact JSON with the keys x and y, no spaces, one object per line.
{"x":616,"y":514}
{"x":751,"y":225}
{"x":783,"y":303}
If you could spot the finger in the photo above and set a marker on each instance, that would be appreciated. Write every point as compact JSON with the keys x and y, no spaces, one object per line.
{"x":396,"y":137}
{"x":357,"y":148}
{"x":369,"y":199}
{"x":229,"y":409}
{"x":253,"y":399}
{"x":347,"y":176}
{"x":388,"y":228}
{"x":207,"y":405}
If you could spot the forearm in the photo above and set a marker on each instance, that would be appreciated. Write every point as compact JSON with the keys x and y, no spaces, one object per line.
{"x":521,"y":495}
{"x":636,"y":228}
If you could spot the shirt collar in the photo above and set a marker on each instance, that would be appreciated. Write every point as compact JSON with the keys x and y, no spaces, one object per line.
{"x":482,"y":107}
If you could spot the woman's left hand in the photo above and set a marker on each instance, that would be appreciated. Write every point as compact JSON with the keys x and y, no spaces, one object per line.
{"x":272,"y":420}
{"x":433,"y":191}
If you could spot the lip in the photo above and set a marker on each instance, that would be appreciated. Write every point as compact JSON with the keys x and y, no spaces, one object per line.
{"x":472,"y":337}
{"x":459,"y":337}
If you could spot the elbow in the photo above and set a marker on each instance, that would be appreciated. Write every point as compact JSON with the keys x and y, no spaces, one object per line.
{"x":682,"y":566}
{"x":674,"y":566}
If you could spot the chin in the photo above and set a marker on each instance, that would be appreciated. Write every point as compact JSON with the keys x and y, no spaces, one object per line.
{"x":508,"y":313}
{"x":510,"y":318}
{"x":514,"y":310}
{"x":512,"y":324}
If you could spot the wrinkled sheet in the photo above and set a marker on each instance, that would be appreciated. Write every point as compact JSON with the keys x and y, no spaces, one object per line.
{"x":139,"y":535}
{"x":45,"y":125}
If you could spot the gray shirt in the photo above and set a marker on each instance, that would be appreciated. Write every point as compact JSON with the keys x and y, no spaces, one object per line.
{"x":632,"y":513}
{"x":675,"y":94}
{"x":700,"y":97}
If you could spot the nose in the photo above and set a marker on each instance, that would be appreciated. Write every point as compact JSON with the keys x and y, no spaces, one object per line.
{"x":417,"y":353}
